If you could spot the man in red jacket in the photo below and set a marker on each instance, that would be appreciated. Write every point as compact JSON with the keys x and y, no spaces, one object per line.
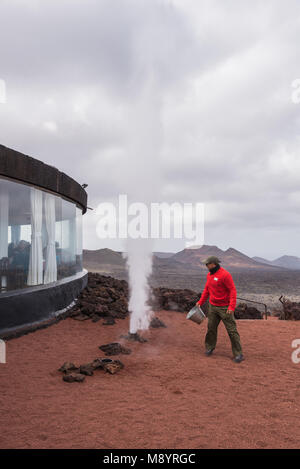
{"x":221,"y":291}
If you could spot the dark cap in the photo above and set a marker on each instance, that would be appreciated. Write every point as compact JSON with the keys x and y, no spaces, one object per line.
{"x":212,"y":260}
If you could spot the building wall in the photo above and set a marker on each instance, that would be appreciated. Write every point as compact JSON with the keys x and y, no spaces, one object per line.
{"x":41,"y":270}
{"x":40,"y":236}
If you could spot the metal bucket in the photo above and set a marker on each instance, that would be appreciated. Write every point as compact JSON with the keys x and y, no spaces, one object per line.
{"x":196,"y":314}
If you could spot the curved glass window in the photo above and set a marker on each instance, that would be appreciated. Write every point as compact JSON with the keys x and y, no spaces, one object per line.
{"x":40,"y":236}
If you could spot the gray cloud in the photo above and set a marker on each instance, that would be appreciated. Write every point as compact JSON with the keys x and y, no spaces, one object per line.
{"x":73,"y":70}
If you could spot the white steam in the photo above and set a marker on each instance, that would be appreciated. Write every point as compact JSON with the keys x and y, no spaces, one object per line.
{"x":144,"y":182}
{"x":139,"y":259}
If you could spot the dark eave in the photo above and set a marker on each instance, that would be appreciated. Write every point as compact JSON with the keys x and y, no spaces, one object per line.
{"x":16,"y":165}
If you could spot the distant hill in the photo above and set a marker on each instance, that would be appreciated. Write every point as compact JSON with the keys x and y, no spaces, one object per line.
{"x":262,"y":260}
{"x":163,"y":254}
{"x":103,"y":256}
{"x":231,"y":258}
{"x":287,"y":262}
{"x":189,"y":260}
{"x":166,"y":262}
{"x":290,"y":262}
{"x":114,"y":258}
{"x":194,"y":255}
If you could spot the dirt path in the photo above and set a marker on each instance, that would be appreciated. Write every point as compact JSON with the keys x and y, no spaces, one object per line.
{"x":168,"y":396}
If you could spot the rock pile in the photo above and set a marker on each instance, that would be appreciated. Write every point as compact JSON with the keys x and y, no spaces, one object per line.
{"x":114,"y":348}
{"x":243,"y":311}
{"x":290,"y":310}
{"x":156,"y":322}
{"x":72,"y":373}
{"x":174,"y":299}
{"x":106,"y":298}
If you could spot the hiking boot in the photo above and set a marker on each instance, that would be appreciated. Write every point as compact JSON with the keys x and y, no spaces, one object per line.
{"x":209,"y":352}
{"x":239,"y":358}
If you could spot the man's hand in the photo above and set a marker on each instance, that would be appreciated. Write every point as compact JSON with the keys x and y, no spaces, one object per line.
{"x":229,"y":311}
{"x":197,"y":304}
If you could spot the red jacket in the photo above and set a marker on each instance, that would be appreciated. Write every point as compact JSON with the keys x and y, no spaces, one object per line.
{"x":220,"y":289}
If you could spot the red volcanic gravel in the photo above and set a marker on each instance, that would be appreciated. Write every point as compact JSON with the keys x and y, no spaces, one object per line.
{"x":169,"y":394}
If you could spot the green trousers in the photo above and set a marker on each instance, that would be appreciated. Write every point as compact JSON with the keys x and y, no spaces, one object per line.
{"x":215,"y":314}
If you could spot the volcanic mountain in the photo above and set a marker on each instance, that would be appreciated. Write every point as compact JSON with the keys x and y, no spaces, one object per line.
{"x":231,"y":258}
{"x":262,"y":260}
{"x":288,"y":262}
{"x":101,"y":258}
{"x":189,"y":260}
{"x":107,"y":257}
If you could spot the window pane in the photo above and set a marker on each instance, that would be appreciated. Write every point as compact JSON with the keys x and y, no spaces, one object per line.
{"x":15,"y":234}
{"x":40,"y":236}
{"x":68,"y":239}
{"x":79,"y":239}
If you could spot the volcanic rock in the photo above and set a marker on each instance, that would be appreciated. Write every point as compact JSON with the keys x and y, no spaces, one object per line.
{"x":114,"y":348}
{"x":68,"y":367}
{"x":243,"y":311}
{"x":81,"y":317}
{"x":119,"y":363}
{"x":109,"y":321}
{"x":134,"y":337}
{"x":87,"y":369}
{"x":74,"y":312}
{"x":72,"y":377}
{"x":95,"y":318}
{"x":175,"y":299}
{"x":112,"y":366}
{"x":97,"y":364}
{"x":156,"y":322}
{"x":291,"y":310}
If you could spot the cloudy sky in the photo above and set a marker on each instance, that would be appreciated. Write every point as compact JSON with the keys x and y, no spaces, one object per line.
{"x":219,"y":124}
